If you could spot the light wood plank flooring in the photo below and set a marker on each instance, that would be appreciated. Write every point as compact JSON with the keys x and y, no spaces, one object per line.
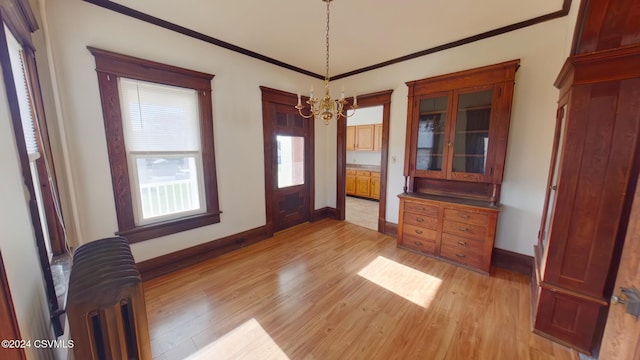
{"x":334,"y":290}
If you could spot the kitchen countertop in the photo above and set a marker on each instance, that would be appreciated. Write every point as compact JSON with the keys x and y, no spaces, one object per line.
{"x":363,"y":167}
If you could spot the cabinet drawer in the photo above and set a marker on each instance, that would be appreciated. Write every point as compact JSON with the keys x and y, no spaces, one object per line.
{"x":466,"y":217}
{"x":420,"y":220}
{"x":461,"y":255}
{"x":416,"y":243}
{"x":465,"y":230}
{"x":419,"y":232}
{"x":375,"y":174}
{"x":363,"y":173}
{"x":351,"y":172}
{"x":459,"y":242}
{"x":427,"y":210}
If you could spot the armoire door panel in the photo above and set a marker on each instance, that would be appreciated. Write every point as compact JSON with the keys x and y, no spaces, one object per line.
{"x":593,"y":186}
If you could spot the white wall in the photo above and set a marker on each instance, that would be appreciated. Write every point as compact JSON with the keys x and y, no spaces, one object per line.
{"x":17,"y":243}
{"x":238,"y":119}
{"x":72,"y":26}
{"x":542,"y":50}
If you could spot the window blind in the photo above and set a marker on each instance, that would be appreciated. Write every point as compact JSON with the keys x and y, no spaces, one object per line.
{"x":159,"y":118}
{"x":24,"y":99}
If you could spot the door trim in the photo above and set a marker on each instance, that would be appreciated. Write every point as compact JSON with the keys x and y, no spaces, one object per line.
{"x":271,"y":96}
{"x":382,"y":98}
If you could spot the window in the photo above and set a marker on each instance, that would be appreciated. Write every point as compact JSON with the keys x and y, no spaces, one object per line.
{"x":159,"y":128}
{"x":32,"y":144}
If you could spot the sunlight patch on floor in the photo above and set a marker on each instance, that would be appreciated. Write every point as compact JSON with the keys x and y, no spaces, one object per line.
{"x":411,"y":284}
{"x":247,"y":341}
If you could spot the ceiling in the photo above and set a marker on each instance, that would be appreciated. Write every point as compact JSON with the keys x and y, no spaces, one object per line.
{"x":363,"y":32}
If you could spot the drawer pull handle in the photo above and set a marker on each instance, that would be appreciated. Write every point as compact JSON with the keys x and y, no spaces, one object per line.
{"x":463,"y":229}
{"x":421,"y":208}
{"x":420,"y":220}
{"x":418,"y":243}
{"x":464,"y":216}
{"x":418,"y":231}
{"x":461,"y":256}
{"x":462,"y":243}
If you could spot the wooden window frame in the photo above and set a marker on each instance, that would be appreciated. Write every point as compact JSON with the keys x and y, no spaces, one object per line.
{"x":21,"y":22}
{"x":110,"y":66}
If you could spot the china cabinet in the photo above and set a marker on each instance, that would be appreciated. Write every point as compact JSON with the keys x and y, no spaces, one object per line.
{"x":457,"y":130}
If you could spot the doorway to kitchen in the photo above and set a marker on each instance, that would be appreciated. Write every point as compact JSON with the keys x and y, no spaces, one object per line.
{"x":364,"y":145}
{"x":362,"y":162}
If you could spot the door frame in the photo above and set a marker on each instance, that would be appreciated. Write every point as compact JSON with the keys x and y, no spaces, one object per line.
{"x":271,"y":96}
{"x":381,"y":98}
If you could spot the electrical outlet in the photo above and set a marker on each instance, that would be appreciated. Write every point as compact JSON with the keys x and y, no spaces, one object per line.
{"x":393,"y":159}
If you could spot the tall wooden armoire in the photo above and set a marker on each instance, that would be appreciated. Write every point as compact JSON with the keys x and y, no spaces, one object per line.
{"x":594,"y":167}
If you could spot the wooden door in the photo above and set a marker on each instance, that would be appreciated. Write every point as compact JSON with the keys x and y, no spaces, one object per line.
{"x":289,"y":160}
{"x":622,"y":333}
{"x":351,"y":182}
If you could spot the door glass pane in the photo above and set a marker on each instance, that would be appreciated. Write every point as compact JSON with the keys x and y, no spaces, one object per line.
{"x":554,"y":185}
{"x":431,"y":128}
{"x":290,"y":160}
{"x":472,"y":132}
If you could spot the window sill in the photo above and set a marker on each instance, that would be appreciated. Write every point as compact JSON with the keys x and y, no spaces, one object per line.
{"x":169,"y":227}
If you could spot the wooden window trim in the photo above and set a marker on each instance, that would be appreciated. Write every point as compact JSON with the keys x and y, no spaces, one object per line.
{"x":20,"y":20}
{"x":109,"y":67}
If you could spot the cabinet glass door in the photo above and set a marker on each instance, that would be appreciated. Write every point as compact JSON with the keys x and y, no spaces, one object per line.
{"x":550,"y":201}
{"x":471,"y":137}
{"x":432,"y":123}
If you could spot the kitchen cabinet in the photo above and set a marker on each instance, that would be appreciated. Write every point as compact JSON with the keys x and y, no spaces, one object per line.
{"x":351,"y":182}
{"x":377,"y":137}
{"x":375,"y":185}
{"x":351,"y":138}
{"x":363,"y":183}
{"x":361,"y":138}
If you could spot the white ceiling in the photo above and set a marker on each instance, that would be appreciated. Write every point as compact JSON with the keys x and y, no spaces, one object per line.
{"x":363,"y":32}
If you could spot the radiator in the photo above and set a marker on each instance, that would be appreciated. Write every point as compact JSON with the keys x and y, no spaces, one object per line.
{"x":105,"y":305}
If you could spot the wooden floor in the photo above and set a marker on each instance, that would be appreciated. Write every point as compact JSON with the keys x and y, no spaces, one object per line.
{"x":334,"y":290}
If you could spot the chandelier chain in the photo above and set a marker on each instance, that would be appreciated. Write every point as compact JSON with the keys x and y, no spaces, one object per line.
{"x":325,"y":107}
{"x":326,"y":77}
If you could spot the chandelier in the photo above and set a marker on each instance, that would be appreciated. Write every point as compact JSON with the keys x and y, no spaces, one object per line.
{"x":326,"y":108}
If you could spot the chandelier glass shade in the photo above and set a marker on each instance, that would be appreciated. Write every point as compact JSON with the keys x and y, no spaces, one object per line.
{"x":326,"y":108}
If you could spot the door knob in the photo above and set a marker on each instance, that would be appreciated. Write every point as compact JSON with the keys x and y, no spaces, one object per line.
{"x":631,"y":298}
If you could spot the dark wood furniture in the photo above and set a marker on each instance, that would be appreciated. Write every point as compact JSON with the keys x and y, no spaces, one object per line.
{"x":457,"y":130}
{"x":458,"y":230}
{"x":594,"y":166}
{"x":594,"y":169}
